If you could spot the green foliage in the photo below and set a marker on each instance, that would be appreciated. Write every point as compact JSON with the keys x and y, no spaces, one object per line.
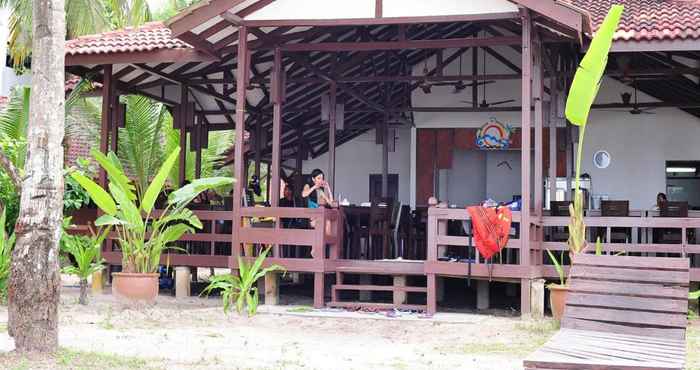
{"x":558,"y":266}
{"x":86,"y":252}
{"x":240,"y":290}
{"x":581,"y":95}
{"x":598,"y":247}
{"x":694,"y":295}
{"x":170,"y":8}
{"x":143,"y":237}
{"x":75,"y":196}
{"x":7,"y":243}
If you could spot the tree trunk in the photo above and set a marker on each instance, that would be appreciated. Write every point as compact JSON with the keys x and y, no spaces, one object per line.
{"x":35,"y":279}
{"x":83,"y":292}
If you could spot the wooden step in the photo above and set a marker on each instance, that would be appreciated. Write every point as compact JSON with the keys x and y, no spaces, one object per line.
{"x":381,"y":288}
{"x":381,"y":306}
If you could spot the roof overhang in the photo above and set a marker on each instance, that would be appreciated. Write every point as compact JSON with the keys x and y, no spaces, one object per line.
{"x":162,"y":56}
{"x":655,"y":45}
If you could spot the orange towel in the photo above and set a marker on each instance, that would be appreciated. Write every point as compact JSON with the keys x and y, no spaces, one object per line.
{"x":491,"y":227}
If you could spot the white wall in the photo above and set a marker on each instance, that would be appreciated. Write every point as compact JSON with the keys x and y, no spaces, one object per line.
{"x":639,"y":146}
{"x":359,"y":158}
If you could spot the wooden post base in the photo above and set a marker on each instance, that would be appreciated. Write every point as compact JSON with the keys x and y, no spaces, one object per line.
{"x":537,"y":298}
{"x":365,"y":295}
{"x":272,"y":288}
{"x":400,"y":296}
{"x":482,"y":295}
{"x":182,"y":282}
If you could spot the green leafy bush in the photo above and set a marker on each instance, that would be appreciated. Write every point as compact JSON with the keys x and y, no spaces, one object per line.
{"x":75,"y":196}
{"x":240,"y":290}
{"x":142,"y":235}
{"x":86,"y":253}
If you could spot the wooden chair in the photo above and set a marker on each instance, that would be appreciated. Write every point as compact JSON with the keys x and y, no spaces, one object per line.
{"x":621,"y":312}
{"x":677,"y":210}
{"x":560,"y":209}
{"x":616,"y":208}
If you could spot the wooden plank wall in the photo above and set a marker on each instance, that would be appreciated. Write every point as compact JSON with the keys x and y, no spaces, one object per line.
{"x":435,"y":149}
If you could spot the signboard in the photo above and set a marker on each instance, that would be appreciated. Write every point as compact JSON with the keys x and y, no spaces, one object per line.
{"x":493,"y":135}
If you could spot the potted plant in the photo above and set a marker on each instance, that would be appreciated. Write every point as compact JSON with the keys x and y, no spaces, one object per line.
{"x":582,"y":93}
{"x":239,"y":289}
{"x":143,"y":235}
{"x":86,"y":254}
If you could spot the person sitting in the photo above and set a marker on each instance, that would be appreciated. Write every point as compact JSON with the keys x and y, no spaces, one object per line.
{"x":316,"y":191}
{"x":661,"y":199}
{"x":287,"y":199}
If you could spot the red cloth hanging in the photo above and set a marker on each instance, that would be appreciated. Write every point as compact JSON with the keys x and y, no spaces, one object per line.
{"x":491,"y":227}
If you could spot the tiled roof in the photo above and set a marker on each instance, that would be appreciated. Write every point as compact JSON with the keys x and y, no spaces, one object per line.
{"x":149,"y":36}
{"x":649,"y":20}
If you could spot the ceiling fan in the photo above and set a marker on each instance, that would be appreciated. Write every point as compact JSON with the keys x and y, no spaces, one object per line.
{"x":459,"y":86}
{"x":627,"y":97}
{"x":483,"y":103}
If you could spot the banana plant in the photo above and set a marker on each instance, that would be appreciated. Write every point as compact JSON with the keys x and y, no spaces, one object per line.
{"x":582,"y":94}
{"x":86,"y":252}
{"x":142,"y":234}
{"x":240,"y":290}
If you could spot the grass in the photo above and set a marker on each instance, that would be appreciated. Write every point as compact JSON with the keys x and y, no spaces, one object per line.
{"x":67,"y":358}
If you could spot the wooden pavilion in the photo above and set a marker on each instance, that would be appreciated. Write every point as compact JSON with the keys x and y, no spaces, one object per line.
{"x":302,"y":78}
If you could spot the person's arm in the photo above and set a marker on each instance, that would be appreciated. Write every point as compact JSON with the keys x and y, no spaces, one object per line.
{"x":328,"y":194}
{"x":307,"y":190}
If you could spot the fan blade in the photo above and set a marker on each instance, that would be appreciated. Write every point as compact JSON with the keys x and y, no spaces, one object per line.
{"x":443,"y":84}
{"x":480,"y":83}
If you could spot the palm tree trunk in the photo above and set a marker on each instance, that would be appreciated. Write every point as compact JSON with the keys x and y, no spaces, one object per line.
{"x":35,"y":279}
{"x":83,"y":292}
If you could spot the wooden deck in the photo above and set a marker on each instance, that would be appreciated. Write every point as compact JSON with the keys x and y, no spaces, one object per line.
{"x":212,"y":247}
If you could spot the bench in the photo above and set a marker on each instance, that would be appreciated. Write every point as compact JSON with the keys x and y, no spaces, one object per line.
{"x":621,"y":312}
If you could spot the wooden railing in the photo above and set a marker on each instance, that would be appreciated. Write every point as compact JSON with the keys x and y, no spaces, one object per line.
{"x":639,"y":240}
{"x":504,"y":265}
{"x":299,"y":237}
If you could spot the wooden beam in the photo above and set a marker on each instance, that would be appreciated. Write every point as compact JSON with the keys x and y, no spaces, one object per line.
{"x":525,"y":156}
{"x":401,"y":45}
{"x":182,"y":163}
{"x":276,"y":127}
{"x":238,"y":160}
{"x":331,"y":135}
{"x":538,"y":95}
{"x":378,"y":8}
{"x":107,"y":91}
{"x":198,"y":14}
{"x":382,"y":21}
{"x":200,"y":44}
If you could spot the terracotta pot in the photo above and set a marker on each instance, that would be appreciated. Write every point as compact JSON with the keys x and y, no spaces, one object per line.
{"x":133,"y":287}
{"x":557,"y":299}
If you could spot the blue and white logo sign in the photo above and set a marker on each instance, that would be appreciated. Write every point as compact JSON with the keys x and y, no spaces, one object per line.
{"x":493,"y":135}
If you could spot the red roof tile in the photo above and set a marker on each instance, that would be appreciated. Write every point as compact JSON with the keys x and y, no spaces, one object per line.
{"x":649,"y":20}
{"x":149,"y":36}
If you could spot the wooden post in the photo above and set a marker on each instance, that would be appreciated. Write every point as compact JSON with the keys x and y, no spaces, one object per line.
{"x":385,"y":161}
{"x":182,"y":282}
{"x":331,"y":134}
{"x":399,"y":296}
{"x":431,"y":256}
{"x":483,"y":300}
{"x":538,"y":95}
{"x":182,"y":164}
{"x":525,"y":156}
{"x":107,"y":92}
{"x":276,"y":127}
{"x":238,"y":160}
{"x":537,"y":298}
{"x":553,"y":119}
{"x":198,"y":132}
{"x":114,"y":120}
{"x":272,"y":288}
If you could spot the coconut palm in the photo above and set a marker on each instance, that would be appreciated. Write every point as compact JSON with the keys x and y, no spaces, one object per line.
{"x":83,"y":17}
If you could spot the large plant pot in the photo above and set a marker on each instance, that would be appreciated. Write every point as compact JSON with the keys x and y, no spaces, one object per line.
{"x":133,"y":287}
{"x":557,"y":300}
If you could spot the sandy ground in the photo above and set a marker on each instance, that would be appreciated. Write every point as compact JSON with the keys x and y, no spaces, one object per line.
{"x":196,"y":334}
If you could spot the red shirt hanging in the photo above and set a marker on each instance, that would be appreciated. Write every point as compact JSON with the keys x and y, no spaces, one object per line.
{"x":491,"y":228}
